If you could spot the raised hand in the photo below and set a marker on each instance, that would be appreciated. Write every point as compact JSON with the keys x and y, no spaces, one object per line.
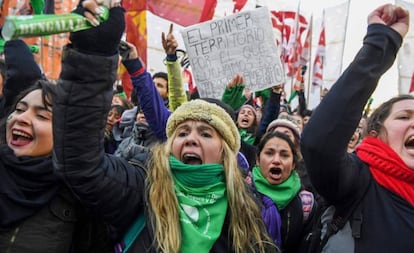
{"x":391,"y":15}
{"x":278,"y":88}
{"x":169,"y":42}
{"x":237,"y":80}
{"x":92,"y":9}
{"x":103,"y":39}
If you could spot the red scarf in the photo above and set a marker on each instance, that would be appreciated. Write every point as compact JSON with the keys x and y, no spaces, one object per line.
{"x":387,"y":167}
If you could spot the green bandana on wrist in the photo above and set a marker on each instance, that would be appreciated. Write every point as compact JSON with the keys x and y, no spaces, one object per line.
{"x":282,"y":193}
{"x":202,"y":199}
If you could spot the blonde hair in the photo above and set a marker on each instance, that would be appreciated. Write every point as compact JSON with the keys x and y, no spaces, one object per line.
{"x":246,"y":226}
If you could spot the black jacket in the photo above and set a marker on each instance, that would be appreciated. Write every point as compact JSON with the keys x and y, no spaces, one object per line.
{"x":108,"y":185}
{"x":388,"y":220}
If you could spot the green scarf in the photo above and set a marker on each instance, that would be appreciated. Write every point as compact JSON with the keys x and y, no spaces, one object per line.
{"x":281,"y":194}
{"x":202,"y":199}
{"x":247,"y":137}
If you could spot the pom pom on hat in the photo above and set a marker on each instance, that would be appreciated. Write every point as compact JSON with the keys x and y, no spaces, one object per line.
{"x":210,"y":113}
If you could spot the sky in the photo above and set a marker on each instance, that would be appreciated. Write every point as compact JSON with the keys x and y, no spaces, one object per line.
{"x":357,"y":24}
{"x":356,"y":29}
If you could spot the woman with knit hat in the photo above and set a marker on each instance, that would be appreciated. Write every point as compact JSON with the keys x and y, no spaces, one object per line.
{"x":194,"y":194}
{"x":189,"y":196}
{"x":286,"y":124}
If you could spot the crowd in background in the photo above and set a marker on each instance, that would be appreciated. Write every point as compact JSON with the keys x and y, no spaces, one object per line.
{"x":84,"y":168}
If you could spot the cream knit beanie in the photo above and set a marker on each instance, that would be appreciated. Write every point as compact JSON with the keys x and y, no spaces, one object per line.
{"x":210,"y":113}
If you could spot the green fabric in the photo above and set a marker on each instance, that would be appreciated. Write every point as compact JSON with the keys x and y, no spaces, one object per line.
{"x":37,"y":6}
{"x":292,"y":96}
{"x":281,"y":194}
{"x":202,"y":199}
{"x":265,"y":94}
{"x":32,"y":48}
{"x":176,"y":92}
{"x":247,"y":137}
{"x":234,"y":96}
{"x":121,"y":94}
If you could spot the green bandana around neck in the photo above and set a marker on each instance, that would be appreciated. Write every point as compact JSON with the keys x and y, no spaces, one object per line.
{"x":282,"y":193}
{"x":197,"y":175}
{"x":201,"y":194}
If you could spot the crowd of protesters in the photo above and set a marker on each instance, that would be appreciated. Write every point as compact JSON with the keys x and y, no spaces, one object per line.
{"x":84,"y":168}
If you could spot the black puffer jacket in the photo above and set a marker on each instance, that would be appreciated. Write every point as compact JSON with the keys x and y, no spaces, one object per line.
{"x":108,"y":185}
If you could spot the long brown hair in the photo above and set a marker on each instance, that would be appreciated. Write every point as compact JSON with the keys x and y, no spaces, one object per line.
{"x":247,"y":229}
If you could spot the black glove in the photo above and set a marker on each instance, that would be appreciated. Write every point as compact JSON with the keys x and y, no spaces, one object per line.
{"x":103,"y":39}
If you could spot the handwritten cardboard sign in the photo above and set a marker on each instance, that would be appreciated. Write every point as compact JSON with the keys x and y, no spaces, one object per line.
{"x":241,"y":43}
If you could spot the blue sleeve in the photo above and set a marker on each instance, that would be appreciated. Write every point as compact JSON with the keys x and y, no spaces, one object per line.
{"x":151,"y":102}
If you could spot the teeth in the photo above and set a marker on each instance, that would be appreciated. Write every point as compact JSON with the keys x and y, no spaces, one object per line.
{"x":190,"y":156}
{"x":20,"y":133}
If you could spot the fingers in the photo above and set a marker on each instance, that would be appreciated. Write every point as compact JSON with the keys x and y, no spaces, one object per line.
{"x":169,"y":42}
{"x":393,"y":16}
{"x":163,"y":39}
{"x":388,"y":14}
{"x":109,"y":3}
{"x":115,"y":3}
{"x":236,"y":80}
{"x":171,"y":29}
{"x":91,"y":6}
{"x":92,"y":11}
{"x":134,"y":51}
{"x":91,"y":18}
{"x":239,"y":79}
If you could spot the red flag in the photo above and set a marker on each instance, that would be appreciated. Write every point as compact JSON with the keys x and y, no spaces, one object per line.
{"x":304,"y":57}
{"x":238,"y":5}
{"x":317,"y":79}
{"x":294,"y":52}
{"x":294,"y":46}
{"x":298,"y":79}
{"x":183,"y":12}
{"x":290,"y":26}
{"x":285,"y":21}
{"x":136,"y":33}
{"x":412,"y":84}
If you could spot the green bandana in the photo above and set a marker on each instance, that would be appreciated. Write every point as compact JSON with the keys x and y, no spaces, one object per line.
{"x":202,"y":199}
{"x":281,"y":194}
{"x":247,"y":137}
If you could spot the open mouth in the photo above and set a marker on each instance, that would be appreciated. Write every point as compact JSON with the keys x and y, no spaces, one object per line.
{"x":275,"y":173}
{"x":409,"y":144}
{"x":20,"y":138}
{"x":192,"y":159}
